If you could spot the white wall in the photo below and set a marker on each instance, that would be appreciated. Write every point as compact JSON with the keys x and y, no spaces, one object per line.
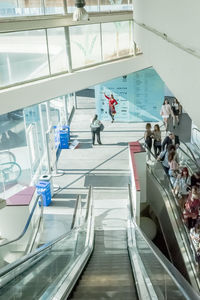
{"x":39,"y":91}
{"x":180,"y":70}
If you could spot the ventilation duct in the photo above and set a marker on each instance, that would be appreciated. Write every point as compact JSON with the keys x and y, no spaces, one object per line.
{"x":80,"y":14}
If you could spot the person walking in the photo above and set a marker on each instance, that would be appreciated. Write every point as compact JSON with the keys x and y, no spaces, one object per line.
{"x":112,"y":103}
{"x":176,"y":111}
{"x":165,"y":112}
{"x":148,"y":138}
{"x":182,"y":186}
{"x":171,"y":139}
{"x":157,"y":140}
{"x":95,"y":130}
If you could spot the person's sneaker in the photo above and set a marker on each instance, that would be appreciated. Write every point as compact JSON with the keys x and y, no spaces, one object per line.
{"x":100,"y":143}
{"x":112,"y":121}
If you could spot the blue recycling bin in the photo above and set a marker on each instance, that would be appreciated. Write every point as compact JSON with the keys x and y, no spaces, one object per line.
{"x":67,"y":129}
{"x":44,"y":189}
{"x":64,"y":137}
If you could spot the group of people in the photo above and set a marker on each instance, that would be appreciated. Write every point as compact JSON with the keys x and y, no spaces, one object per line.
{"x":186,"y":188}
{"x":153,"y":137}
{"x":175,"y":109}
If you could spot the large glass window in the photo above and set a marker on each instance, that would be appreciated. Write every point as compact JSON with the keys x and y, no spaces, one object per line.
{"x":57,"y":50}
{"x":91,"y":5}
{"x":53,"y":7}
{"x":23,"y":56}
{"x":14,"y":157}
{"x":117,"y":40}
{"x":85,"y":45}
{"x":113,"y":5}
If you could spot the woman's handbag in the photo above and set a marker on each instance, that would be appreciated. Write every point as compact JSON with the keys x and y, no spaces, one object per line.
{"x":101,"y":127}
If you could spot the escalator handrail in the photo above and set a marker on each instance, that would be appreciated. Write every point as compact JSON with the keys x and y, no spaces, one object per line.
{"x":27,"y":223}
{"x":36,"y":252}
{"x":11,"y":163}
{"x":9,"y":153}
{"x":179,"y":280}
{"x":77,"y":205}
{"x":191,"y":245}
{"x":199,"y":132}
{"x":64,"y":287}
{"x":193,"y":157}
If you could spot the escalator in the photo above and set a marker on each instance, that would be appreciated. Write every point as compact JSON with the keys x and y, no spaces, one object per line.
{"x":116,"y":264}
{"x":168,"y":212}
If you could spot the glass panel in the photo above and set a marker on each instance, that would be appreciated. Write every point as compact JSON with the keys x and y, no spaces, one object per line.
{"x":54,"y":7}
{"x":91,"y":5}
{"x":112,"y":5}
{"x":35,"y":139}
{"x":25,"y":51}
{"x":57,"y":50}
{"x":117,"y":39}
{"x":14,"y":157}
{"x":54,"y":264}
{"x":85,"y":45}
{"x":57,"y":111}
{"x":8,"y":8}
{"x":163,"y":284}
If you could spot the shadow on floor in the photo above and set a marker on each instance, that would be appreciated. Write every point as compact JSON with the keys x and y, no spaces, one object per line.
{"x":107,"y":180}
{"x":69,"y":196}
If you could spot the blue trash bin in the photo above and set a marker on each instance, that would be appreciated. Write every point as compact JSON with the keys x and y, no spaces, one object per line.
{"x":64,"y":139}
{"x":44,"y":189}
{"x":67,"y":129}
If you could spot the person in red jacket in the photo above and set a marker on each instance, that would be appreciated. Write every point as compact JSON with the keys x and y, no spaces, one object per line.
{"x":112,"y":102}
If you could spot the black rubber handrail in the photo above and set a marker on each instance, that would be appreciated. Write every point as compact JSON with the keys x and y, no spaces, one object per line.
{"x":190,"y":243}
{"x":179,"y":280}
{"x":193,"y":157}
{"x":37,"y":252}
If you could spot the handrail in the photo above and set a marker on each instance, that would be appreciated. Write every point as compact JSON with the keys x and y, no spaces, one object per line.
{"x":189,"y":241}
{"x":27,"y":223}
{"x":9,"y":168}
{"x":179,"y":280}
{"x":29,"y":256}
{"x":78,"y":203}
{"x":65,"y":286}
{"x":193,"y":157}
{"x":9,"y":153}
{"x":199,"y":132}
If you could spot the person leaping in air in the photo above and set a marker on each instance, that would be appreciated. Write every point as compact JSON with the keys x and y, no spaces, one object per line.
{"x":112,"y":102}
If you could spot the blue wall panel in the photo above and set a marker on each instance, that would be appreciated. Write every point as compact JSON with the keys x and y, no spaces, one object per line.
{"x":139,"y":95}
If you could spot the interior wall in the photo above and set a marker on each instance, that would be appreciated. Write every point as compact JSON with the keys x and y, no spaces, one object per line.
{"x":32,"y":93}
{"x":180,"y":23}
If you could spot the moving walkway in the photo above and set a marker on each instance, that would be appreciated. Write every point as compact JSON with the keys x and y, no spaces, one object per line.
{"x":86,"y":263}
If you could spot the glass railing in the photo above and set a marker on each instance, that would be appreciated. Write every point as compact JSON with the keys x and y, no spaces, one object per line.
{"x":171,"y":203}
{"x":17,"y":8}
{"x":13,"y":249}
{"x":196,"y":137}
{"x":43,"y":53}
{"x":187,"y":158}
{"x":51,"y":271}
{"x":162,"y":279}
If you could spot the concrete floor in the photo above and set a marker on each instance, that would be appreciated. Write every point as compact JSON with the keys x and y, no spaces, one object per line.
{"x":105,"y":167}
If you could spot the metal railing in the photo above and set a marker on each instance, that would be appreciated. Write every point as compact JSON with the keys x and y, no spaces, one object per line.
{"x":177,"y":216}
{"x":65,"y":285}
{"x":179,"y":282}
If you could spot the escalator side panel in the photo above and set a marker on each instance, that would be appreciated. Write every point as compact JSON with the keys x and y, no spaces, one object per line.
{"x":159,"y":208}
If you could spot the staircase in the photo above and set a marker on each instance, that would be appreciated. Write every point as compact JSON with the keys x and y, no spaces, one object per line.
{"x":108,"y":274}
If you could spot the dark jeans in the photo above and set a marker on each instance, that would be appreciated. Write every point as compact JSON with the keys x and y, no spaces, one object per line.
{"x":166,"y":170}
{"x":148,"y":142}
{"x":110,"y":113}
{"x":157,"y":149}
{"x":97,"y":133}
